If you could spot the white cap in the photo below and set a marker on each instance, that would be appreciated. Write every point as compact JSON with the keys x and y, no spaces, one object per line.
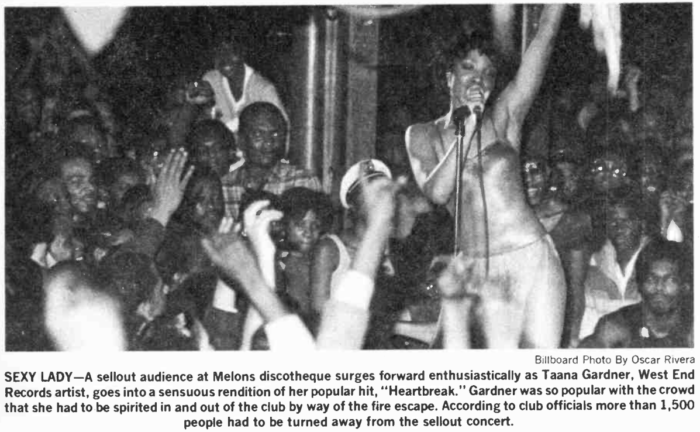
{"x":367,"y":169}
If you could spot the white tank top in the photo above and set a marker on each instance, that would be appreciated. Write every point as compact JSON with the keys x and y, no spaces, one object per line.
{"x":344,"y":261}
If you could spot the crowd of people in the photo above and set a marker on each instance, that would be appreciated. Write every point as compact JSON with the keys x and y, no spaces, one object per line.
{"x":198,"y":234}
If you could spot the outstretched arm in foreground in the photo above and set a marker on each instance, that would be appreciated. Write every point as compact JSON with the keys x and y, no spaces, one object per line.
{"x":346,"y":315}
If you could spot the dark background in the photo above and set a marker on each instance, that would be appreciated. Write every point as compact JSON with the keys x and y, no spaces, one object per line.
{"x":154,"y":45}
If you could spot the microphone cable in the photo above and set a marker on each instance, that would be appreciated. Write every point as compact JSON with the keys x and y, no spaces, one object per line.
{"x":483,"y":190}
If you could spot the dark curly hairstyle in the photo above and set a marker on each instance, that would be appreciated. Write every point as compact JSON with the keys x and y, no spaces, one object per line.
{"x":459,"y":47}
{"x":664,"y":250}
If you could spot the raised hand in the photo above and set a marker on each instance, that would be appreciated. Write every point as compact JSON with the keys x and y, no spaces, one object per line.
{"x":379,"y":198}
{"x":226,"y":225}
{"x":257,"y":220}
{"x":170,"y":186}
{"x":232,"y":253}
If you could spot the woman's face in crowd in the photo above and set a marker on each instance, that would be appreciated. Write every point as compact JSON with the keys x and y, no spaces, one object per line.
{"x":662,"y":288}
{"x":303,"y":234}
{"x":77,"y":176}
{"x":471,"y":79}
{"x":609,"y":172}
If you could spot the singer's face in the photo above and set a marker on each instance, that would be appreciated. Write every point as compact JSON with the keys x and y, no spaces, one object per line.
{"x":471,"y":80}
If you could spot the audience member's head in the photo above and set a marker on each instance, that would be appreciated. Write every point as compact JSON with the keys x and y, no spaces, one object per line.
{"x":566,"y":176}
{"x":307,"y":215}
{"x":664,"y":275}
{"x":76,"y":171}
{"x":118,"y":175}
{"x":136,"y":205}
{"x":89,"y":132}
{"x":211,"y":144}
{"x":351,"y":183}
{"x":624,"y":222}
{"x":229,"y":60}
{"x":263,"y":134}
{"x":203,"y":205}
{"x":609,"y":168}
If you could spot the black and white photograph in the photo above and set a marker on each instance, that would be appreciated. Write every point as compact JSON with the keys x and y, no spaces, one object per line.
{"x":348,"y":177}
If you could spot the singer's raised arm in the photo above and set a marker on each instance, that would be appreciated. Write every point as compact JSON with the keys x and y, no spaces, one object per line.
{"x":517,"y":98}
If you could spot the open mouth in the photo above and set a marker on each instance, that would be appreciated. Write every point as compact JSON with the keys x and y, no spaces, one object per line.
{"x":475,"y":94}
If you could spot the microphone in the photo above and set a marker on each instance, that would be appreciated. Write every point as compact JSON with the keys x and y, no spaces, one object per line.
{"x":461,"y":114}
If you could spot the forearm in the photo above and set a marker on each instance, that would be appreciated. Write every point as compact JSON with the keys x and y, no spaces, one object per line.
{"x":440,"y":183}
{"x":262,"y":297}
{"x":455,"y":323}
{"x":534,"y":64}
{"x":266,"y":263}
{"x":577,"y":309}
{"x":346,"y":315}
{"x":576,"y":262}
{"x":370,"y":251}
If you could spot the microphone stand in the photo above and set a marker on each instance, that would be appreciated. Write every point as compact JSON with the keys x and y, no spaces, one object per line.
{"x":460,"y":115}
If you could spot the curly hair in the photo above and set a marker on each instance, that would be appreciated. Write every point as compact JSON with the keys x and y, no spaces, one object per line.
{"x":458,"y":47}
